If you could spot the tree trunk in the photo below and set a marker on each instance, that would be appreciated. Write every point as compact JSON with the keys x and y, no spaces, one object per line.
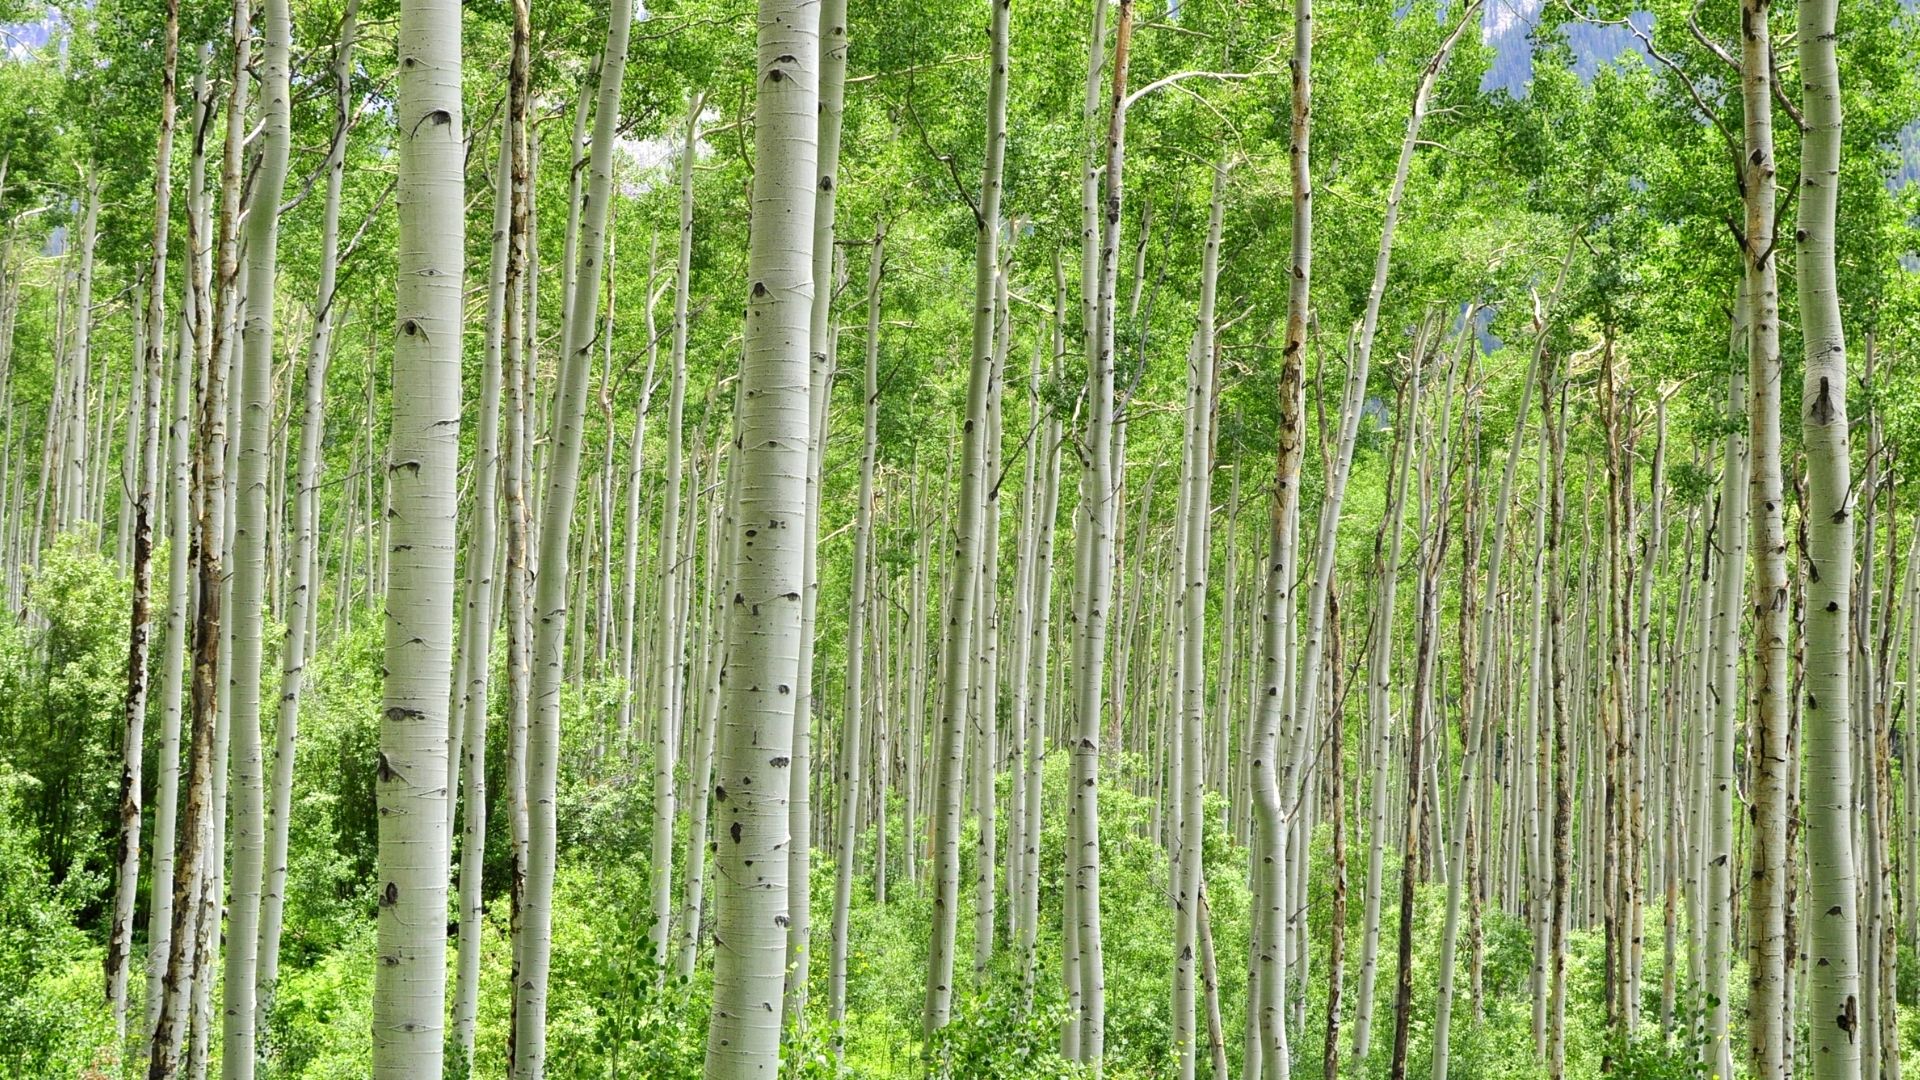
{"x":853,"y":706}
{"x":1379,"y":703}
{"x":1833,"y":1002}
{"x":550,"y":603}
{"x":1098,"y":500}
{"x":1194,"y":547}
{"x":956,"y":647}
{"x":821,"y":336}
{"x":409,"y":990}
{"x":150,"y":380}
{"x":294,"y":651}
{"x":672,"y":650}
{"x":1768,"y":709}
{"x":502,"y":336}
{"x":763,"y":625}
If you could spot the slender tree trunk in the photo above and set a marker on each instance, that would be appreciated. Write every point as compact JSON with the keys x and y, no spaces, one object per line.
{"x":409,"y":989}
{"x":956,"y":648}
{"x":1192,"y":604}
{"x":1768,"y":713}
{"x":250,"y":554}
{"x":550,"y":604}
{"x":673,"y":649}
{"x":1379,"y":704}
{"x":1834,"y":999}
{"x":853,"y":706}
{"x":763,"y":626}
{"x":166,"y":982}
{"x":294,"y":651}
{"x":821,"y":335}
{"x":502,"y":330}
{"x":194,"y":909}
{"x":150,"y":379}
{"x":1552,"y":422}
{"x":713,"y":620}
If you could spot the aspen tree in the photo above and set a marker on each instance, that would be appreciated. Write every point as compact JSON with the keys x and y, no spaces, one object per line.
{"x":763,"y":622}
{"x":550,"y":603}
{"x":502,"y":337}
{"x":958,"y":629}
{"x":822,"y":338}
{"x":985,"y":709}
{"x":1436,"y":535}
{"x":197,"y":866}
{"x":250,"y":553}
{"x":713,"y":615}
{"x":1194,"y":549}
{"x":667,"y":726}
{"x":1387,"y":547}
{"x":169,"y":921}
{"x":516,"y":489}
{"x":1768,"y":705}
{"x":409,"y":989}
{"x":1833,"y":1004}
{"x":150,"y":380}
{"x":297,"y":641}
{"x":1040,"y":640}
{"x":1482,"y":681}
{"x":849,"y":783}
{"x":1552,"y":423}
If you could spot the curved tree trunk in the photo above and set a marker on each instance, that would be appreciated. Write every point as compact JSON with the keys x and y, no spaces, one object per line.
{"x":1833,"y":1001}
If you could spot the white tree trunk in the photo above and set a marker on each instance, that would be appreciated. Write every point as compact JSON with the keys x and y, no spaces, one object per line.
{"x":854,"y":703}
{"x":1833,"y":1001}
{"x":959,"y":626}
{"x":293,"y":655}
{"x":150,"y":380}
{"x":1192,"y":602}
{"x":673,"y":651}
{"x":410,"y":977}
{"x":763,"y":626}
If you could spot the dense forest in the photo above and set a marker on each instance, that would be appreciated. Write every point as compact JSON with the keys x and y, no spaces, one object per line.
{"x":879,"y":538}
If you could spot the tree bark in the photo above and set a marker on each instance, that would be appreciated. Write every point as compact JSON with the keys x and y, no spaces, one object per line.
{"x":956,"y":647}
{"x":150,"y":380}
{"x":305,"y":523}
{"x":853,"y":709}
{"x":409,"y":989}
{"x":763,"y":625}
{"x":1833,"y":1003}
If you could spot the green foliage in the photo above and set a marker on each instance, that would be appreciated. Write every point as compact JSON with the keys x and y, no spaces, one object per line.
{"x":62,"y":681}
{"x":51,"y":1019}
{"x":992,"y":1037}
